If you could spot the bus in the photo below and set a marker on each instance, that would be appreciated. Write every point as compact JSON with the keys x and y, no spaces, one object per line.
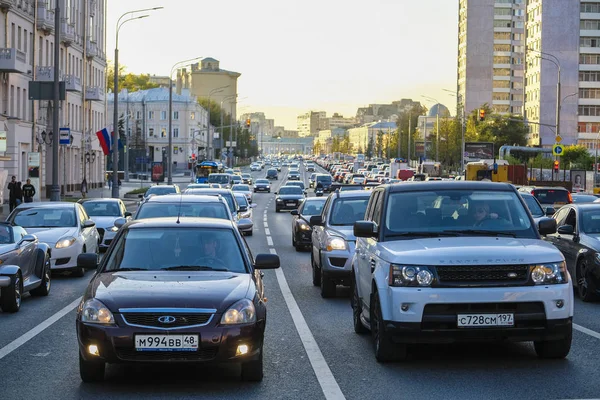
{"x":206,"y":168}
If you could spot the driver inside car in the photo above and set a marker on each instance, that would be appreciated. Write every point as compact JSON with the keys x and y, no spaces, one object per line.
{"x":482,"y":213}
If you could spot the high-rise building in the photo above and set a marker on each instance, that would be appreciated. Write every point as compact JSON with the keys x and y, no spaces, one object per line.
{"x":310,"y":123}
{"x":491,"y":39}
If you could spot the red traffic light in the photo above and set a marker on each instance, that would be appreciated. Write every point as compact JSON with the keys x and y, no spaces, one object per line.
{"x":248,"y":123}
{"x":556,"y":165}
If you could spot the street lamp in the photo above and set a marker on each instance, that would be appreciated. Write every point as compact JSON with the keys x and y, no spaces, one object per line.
{"x":437,"y":115}
{"x":115,"y":144}
{"x":460,"y":103}
{"x":233,"y":96}
{"x":554,"y":60}
{"x":210,"y":135}
{"x":44,"y":138}
{"x":170,"y":145}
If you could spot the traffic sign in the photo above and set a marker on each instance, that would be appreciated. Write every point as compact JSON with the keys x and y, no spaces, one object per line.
{"x":558,"y":150}
{"x":557,"y":139}
{"x":65,"y":136}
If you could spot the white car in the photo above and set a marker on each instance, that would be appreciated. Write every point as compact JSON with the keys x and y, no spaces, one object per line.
{"x":104,"y":212}
{"x":245,"y":189}
{"x":63,"y":226}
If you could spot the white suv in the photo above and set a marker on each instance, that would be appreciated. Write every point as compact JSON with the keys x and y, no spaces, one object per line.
{"x":440,"y":262}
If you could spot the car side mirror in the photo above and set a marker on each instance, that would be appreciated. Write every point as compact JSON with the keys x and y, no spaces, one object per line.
{"x":127,"y":214}
{"x":316,"y":220}
{"x":550,"y":211}
{"x":304,"y":191}
{"x":547,"y":226}
{"x":365,"y":229}
{"x":266,"y":261}
{"x":294,"y":212}
{"x":88,"y":223}
{"x":26,"y":239}
{"x":566,"y":230}
{"x":119,"y":222}
{"x":244,"y":224}
{"x":275,"y":192}
{"x":87,"y":260}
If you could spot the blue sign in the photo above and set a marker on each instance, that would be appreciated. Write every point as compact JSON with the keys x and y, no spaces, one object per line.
{"x":65,"y":136}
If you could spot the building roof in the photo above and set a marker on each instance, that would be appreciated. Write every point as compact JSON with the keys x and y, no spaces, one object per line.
{"x":439,"y":108}
{"x":152,"y":95}
{"x":383,"y":125}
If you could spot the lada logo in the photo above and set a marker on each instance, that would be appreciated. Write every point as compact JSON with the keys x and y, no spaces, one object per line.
{"x":166,"y":319}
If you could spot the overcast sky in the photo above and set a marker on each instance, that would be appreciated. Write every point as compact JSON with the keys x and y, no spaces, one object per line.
{"x":301,"y":55}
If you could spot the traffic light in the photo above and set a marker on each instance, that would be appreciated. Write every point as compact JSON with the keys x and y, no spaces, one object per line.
{"x":556,"y":166}
{"x":481,"y":114}
{"x":248,"y":123}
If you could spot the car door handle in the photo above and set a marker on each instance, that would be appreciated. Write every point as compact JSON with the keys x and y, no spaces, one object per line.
{"x":372,"y":263}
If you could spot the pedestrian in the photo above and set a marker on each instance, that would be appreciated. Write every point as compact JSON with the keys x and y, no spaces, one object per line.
{"x":28,"y":191}
{"x":18,"y":194}
{"x":110,"y":182}
{"x":12,"y":187}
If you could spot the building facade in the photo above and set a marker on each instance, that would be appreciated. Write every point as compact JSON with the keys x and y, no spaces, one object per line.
{"x":310,"y":123}
{"x":362,"y":135}
{"x":288,"y":146}
{"x":379,"y":112}
{"x":588,"y":124}
{"x":146,"y":114}
{"x":28,"y":37}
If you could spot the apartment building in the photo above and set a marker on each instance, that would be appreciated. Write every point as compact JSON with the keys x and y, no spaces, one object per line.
{"x":588,"y":123}
{"x":310,"y":123}
{"x":27,"y":53}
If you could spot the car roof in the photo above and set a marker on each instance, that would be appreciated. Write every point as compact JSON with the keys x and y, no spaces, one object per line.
{"x":352,"y":193}
{"x":584,"y":206}
{"x":320,"y":199}
{"x":213,"y":191}
{"x":182,"y":198}
{"x":163,"y":186}
{"x":416,"y":186}
{"x":182,"y":222}
{"x":99,"y":200}
{"x":545,"y":187}
{"x":52,"y":204}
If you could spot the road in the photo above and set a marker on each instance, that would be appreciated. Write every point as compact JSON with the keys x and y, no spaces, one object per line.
{"x":311,"y":350}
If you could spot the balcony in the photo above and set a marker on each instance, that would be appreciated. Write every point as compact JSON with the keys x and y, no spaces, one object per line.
{"x":94,"y":93}
{"x":73,"y":83}
{"x":7,"y":4}
{"x":67,"y":32}
{"x":91,"y":49}
{"x":45,"y":18}
{"x":13,"y":60}
{"x":46,"y":74}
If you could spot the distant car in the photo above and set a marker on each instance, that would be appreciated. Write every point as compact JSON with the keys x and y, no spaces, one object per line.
{"x":311,"y":180}
{"x":245,"y":214}
{"x":310,"y":167}
{"x":197,"y":186}
{"x":294,"y":175}
{"x":65,"y":227}
{"x":235,"y":180}
{"x":555,"y":197}
{"x":535,"y":208}
{"x":300,"y":184}
{"x":247,"y":179}
{"x":301,"y":230}
{"x":104,"y":212}
{"x":222,"y":179}
{"x":262,"y":185}
{"x":326,"y":180}
{"x":188,"y":205}
{"x":288,"y":198}
{"x":255,"y":167}
{"x":277,"y":166}
{"x":24,"y":266}
{"x":160,"y":190}
{"x":272,"y":173}
{"x":245,"y":189}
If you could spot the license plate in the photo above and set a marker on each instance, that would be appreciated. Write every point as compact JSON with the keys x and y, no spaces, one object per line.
{"x":477,"y":320}
{"x":166,"y":342}
{"x":291,"y":204}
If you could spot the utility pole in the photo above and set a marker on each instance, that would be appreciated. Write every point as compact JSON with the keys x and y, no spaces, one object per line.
{"x":55,"y":189}
{"x":409,"y":132}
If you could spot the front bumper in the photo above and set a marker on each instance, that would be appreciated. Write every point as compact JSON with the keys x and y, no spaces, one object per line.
{"x":218,"y":344}
{"x":337,"y":264}
{"x":107,"y":239}
{"x":65,"y":258}
{"x":262,"y":189}
{"x":303,"y":238}
{"x":286,"y":205}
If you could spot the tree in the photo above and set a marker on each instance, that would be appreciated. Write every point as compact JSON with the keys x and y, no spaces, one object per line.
{"x":499,"y":129}
{"x":131,"y":82}
{"x":379,"y":143}
{"x":406,"y":119}
{"x":576,"y":157}
{"x":369,"y":152}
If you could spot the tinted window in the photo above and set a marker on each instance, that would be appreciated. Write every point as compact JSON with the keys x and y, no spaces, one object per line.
{"x":290,"y":190}
{"x":241,"y":199}
{"x":590,"y":221}
{"x":312,"y":207}
{"x":241,"y":188}
{"x":324,"y":178}
{"x":348,"y":211}
{"x":584,"y":198}
{"x":157,"y":248}
{"x":45,"y":218}
{"x":102,"y":208}
{"x":551,"y":196}
{"x":204,"y":209}
{"x":160,"y":190}
{"x":264,"y":181}
{"x":534,"y":206}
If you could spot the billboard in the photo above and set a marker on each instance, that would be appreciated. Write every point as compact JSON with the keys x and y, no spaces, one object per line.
{"x":578,"y":180}
{"x":418,"y":150}
{"x":158,"y":172}
{"x":475,"y":151}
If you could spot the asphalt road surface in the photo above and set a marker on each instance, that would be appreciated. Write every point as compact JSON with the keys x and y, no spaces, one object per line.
{"x":311,"y":350}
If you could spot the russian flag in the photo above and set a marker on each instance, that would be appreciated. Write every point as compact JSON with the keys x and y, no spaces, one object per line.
{"x":104,"y":139}
{"x":121,"y":146}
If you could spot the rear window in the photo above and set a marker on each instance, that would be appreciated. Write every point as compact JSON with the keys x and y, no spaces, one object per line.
{"x":198,"y":210}
{"x":551,"y":196}
{"x":323,"y":178}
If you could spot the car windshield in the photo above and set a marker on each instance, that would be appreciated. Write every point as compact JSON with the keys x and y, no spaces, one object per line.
{"x":348,"y":211}
{"x":203,"y":209}
{"x":185,"y":248}
{"x":551,"y":196}
{"x":218,"y":178}
{"x":312,"y":207}
{"x":290,"y":190}
{"x":45,"y":217}
{"x":102,"y":208}
{"x":590,"y":221}
{"x":534,"y":206}
{"x":346,"y":188}
{"x":160,"y":190}
{"x":246,"y":176}
{"x":324,"y":178}
{"x":467,"y":212}
{"x":6,"y":235}
{"x":262,"y":181}
{"x":240,"y":188}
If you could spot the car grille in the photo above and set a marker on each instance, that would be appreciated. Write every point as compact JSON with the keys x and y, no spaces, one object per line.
{"x":101,"y":233}
{"x":131,"y":354}
{"x":443,"y":316}
{"x":62,"y":261}
{"x":151,"y":320}
{"x":483,"y":275}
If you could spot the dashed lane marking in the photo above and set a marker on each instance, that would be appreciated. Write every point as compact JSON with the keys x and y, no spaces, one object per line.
{"x":269,"y":241}
{"x":586,"y":331}
{"x":267,"y":231}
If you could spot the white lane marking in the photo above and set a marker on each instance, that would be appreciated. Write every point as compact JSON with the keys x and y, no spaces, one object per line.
{"x":273,"y":251}
{"x":267,"y":231}
{"x":26,"y":337}
{"x":586,"y":331}
{"x":329,"y":385}
{"x":266,"y":224}
{"x":269,"y":241}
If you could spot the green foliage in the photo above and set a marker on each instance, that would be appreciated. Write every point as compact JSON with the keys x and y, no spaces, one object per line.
{"x":131,"y":82}
{"x":139,"y":191}
{"x":499,"y":129}
{"x":370,"y":148}
{"x":577,"y":157}
{"x":379,"y":148}
{"x":406,"y":119}
{"x":215,"y":112}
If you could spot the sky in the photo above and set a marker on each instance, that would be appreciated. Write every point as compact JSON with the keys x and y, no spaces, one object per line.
{"x":301,"y":55}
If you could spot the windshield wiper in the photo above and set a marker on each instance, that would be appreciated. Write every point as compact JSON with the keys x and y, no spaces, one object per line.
{"x":482,"y":232}
{"x":193,"y":268}
{"x":424,"y":234}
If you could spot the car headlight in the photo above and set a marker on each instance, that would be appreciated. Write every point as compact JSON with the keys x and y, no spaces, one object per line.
{"x":545,"y":274}
{"x":242,"y":312}
{"x":409,"y":275}
{"x":94,"y":312}
{"x":336,"y":243}
{"x":113,"y":229}
{"x":304,"y":226}
{"x":279,"y":200}
{"x":597,"y":257}
{"x":65,"y":242}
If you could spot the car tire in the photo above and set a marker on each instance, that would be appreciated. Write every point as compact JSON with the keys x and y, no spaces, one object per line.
{"x":44,"y":288}
{"x":91,"y":371}
{"x":585,"y":292}
{"x":356,"y":308}
{"x":252,"y":371}
{"x":316,"y":275}
{"x":78,"y":272}
{"x":328,"y":286}
{"x":10,"y":300}
{"x":276,"y":209}
{"x":385,"y":349}
{"x":554,"y":348}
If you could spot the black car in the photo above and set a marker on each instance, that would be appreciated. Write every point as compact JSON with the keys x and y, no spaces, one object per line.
{"x":325,"y":179}
{"x":174,"y":290}
{"x":301,"y":230}
{"x":262,"y":185}
{"x":294,"y":175}
{"x":288,"y":198}
{"x":272,"y":173}
{"x":578,"y":238}
{"x":300,"y":184}
{"x":535,"y":208}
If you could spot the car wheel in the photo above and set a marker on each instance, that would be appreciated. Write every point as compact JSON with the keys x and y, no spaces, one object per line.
{"x":554,"y":348}
{"x":316,"y":275}
{"x":44,"y":288}
{"x":385,"y":349}
{"x":78,"y":272}
{"x":327,"y":286}
{"x":276,"y":209}
{"x":10,"y":301}
{"x":356,"y":308}
{"x":252,"y":371}
{"x":586,"y":293}
{"x":91,"y":371}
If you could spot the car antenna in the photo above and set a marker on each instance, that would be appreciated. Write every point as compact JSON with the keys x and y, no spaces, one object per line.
{"x":179,"y":210}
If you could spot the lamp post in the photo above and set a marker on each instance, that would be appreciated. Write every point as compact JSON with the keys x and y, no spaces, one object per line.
{"x":233,"y":96}
{"x":211,"y":155}
{"x":554,"y":60}
{"x":55,"y":188}
{"x":115,"y":143}
{"x":170,"y":145}
{"x":437,"y":134}
{"x":460,"y":103}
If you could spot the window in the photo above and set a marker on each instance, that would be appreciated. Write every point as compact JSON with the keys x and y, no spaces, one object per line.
{"x":590,"y":7}
{"x":502,"y":47}
{"x":150,"y":132}
{"x":589,"y":111}
{"x":502,"y":24}
{"x":150,"y":114}
{"x":500,"y":96}
{"x":589,"y":76}
{"x":502,"y":84}
{"x":163,"y":132}
{"x":501,"y":71}
{"x":176,"y":132}
{"x":591,"y":25}
{"x":192,"y":115}
{"x":501,"y":60}
{"x":589,"y":93}
{"x":138,"y":115}
{"x":175,"y":114}
{"x":589,"y":41}
{"x":501,"y":35}
{"x":163,"y":115}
